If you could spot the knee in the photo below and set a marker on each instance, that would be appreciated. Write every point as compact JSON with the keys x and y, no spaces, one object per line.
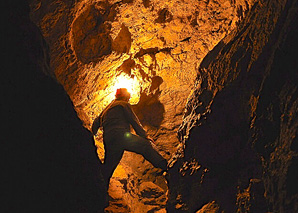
{"x":163,"y":164}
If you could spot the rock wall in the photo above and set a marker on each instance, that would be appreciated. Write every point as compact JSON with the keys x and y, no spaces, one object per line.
{"x":156,"y":44}
{"x":49,"y":159}
{"x":239,"y":134}
{"x":237,"y":144}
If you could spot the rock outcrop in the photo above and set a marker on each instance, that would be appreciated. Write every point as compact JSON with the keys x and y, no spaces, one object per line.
{"x":49,"y":158}
{"x":239,"y":133}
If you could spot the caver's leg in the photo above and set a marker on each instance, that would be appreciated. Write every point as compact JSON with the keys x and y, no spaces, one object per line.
{"x":112,"y":159}
{"x":146,"y":148}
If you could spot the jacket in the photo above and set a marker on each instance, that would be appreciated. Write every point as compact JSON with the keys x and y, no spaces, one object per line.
{"x":118,"y":116}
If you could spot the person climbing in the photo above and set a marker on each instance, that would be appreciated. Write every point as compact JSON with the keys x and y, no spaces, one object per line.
{"x":116,"y":120}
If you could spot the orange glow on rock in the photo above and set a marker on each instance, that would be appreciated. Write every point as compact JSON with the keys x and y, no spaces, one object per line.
{"x":124,"y":81}
{"x":131,"y":84}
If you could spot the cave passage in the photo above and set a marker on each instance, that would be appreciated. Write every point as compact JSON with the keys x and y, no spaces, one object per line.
{"x":151,"y":47}
{"x":214,"y":83}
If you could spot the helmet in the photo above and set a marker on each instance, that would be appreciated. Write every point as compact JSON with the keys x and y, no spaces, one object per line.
{"x":122,"y":93}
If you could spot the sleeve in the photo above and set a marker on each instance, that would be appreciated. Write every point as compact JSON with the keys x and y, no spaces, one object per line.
{"x":98,"y":121}
{"x":96,"y":124}
{"x":134,"y":121}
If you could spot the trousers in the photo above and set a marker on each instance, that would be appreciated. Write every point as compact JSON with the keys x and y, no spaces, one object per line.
{"x":118,"y":142}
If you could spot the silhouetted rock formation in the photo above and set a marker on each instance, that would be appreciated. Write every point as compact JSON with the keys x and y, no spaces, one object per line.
{"x":239,"y":134}
{"x":50,"y":161}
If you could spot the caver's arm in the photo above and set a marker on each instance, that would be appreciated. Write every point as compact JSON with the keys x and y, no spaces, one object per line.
{"x":134,"y":121}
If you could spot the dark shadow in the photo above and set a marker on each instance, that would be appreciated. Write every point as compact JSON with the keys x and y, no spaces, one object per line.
{"x":127,"y":66}
{"x":164,"y":16}
{"x":50,"y":162}
{"x":149,"y":109}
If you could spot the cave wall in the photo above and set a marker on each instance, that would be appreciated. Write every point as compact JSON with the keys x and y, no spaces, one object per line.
{"x":230,"y":115}
{"x":238,"y":139}
{"x":239,"y":133}
{"x":49,"y":160}
{"x":158,"y":43}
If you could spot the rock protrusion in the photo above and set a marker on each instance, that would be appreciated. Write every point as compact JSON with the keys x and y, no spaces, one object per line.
{"x":91,"y":35}
{"x":123,"y":40}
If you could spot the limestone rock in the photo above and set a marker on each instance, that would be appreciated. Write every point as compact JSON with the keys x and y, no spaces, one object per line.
{"x":150,"y":190}
{"x":123,"y":40}
{"x":236,"y":125}
{"x":91,"y":39}
{"x":155,"y":45}
{"x":211,"y":207}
